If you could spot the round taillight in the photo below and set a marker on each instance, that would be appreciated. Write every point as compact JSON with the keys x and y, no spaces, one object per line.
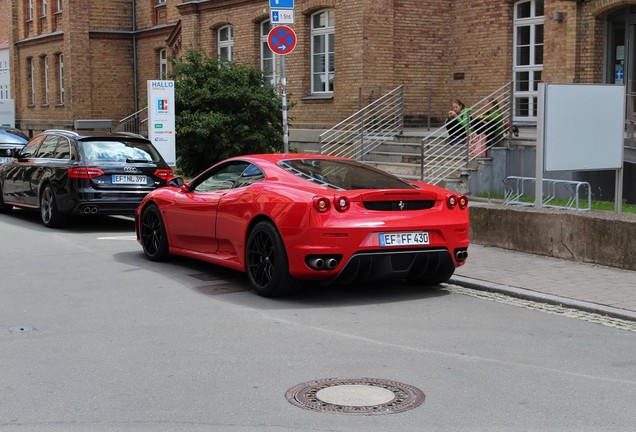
{"x":321,"y":204}
{"x":463,"y":202}
{"x":451,"y":201}
{"x":341,"y":203}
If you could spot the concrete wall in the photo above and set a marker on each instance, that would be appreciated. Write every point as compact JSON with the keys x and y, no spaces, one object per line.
{"x":597,"y":237}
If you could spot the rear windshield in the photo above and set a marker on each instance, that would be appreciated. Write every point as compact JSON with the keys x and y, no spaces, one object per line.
{"x":119,"y":151}
{"x":338,"y":174}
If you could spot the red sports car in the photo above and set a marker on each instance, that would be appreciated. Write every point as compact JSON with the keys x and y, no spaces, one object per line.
{"x":288,"y":218}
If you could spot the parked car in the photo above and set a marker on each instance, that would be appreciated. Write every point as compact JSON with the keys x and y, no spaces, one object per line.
{"x":10,"y":139}
{"x":62,"y":173}
{"x":285,"y":218}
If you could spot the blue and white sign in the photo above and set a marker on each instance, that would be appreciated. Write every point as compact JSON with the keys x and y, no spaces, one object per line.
{"x":161,"y":118}
{"x":281,"y":4}
{"x":282,"y":16}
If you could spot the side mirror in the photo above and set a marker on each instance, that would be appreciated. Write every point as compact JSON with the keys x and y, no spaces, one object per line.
{"x":176,"y":182}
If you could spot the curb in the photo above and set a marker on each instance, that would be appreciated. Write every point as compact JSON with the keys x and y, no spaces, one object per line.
{"x":544,"y":298}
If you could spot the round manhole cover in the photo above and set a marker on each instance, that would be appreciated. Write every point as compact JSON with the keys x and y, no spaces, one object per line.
{"x":364,"y":396}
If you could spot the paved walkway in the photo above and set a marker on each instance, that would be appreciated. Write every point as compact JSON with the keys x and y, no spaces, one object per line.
{"x":594,"y":288}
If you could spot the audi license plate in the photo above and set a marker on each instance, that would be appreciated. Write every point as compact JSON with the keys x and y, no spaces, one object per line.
{"x":404,"y":238}
{"x":4,"y":160}
{"x":129,"y":179}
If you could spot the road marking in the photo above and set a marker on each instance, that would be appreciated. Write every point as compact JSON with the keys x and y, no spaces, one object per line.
{"x":127,"y":237}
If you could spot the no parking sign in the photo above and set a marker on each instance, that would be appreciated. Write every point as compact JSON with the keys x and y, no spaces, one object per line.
{"x":281,"y":40}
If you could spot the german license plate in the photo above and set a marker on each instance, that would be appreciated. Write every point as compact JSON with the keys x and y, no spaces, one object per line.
{"x":129,"y":179}
{"x":404,"y":238}
{"x":4,"y":160}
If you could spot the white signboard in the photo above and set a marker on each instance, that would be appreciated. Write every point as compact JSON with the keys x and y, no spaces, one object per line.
{"x":7,"y":112}
{"x":282,"y":16}
{"x":583,"y":126}
{"x":161,"y":114}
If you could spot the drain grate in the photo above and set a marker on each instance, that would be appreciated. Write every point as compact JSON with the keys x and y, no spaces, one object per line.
{"x":362,"y":396}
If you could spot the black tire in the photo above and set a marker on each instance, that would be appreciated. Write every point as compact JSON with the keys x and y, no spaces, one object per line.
{"x":439,"y":269}
{"x":4,"y":208}
{"x":153,"y":234}
{"x":51,"y":216}
{"x":266,"y":262}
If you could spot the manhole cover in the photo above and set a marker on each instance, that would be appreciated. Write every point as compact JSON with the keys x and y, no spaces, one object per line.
{"x":364,"y":396}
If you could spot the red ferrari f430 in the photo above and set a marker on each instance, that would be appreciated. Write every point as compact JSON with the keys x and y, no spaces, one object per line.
{"x":288,"y":218}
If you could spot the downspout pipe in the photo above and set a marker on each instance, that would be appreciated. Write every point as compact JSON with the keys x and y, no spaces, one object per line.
{"x":134,"y":53}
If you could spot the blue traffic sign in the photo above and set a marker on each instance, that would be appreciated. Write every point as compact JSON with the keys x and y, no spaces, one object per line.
{"x":281,"y":4}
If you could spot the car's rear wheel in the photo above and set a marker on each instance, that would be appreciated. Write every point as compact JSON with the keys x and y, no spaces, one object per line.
{"x":51,"y":216}
{"x":267,"y":264}
{"x":153,"y":234}
{"x":438,"y":269}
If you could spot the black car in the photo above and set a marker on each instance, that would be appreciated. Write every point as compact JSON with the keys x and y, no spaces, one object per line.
{"x":10,"y":138}
{"x":62,"y":173}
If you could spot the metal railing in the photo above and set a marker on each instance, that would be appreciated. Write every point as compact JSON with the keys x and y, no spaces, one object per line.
{"x":357,"y":135}
{"x":450,"y":148}
{"x":572,"y":192}
{"x":135,"y":123}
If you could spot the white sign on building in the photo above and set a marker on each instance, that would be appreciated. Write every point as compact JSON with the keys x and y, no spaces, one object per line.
{"x":161,"y":118}
{"x":7,"y":112}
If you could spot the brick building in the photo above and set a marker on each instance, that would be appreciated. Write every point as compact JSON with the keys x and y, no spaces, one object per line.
{"x":91,"y":59}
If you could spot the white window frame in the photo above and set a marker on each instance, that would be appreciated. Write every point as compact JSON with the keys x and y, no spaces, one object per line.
{"x":43,"y":8}
{"x":60,"y":71}
{"x":528,"y":92}
{"x":163,"y":64}
{"x":46,"y":80}
{"x":226,"y":44}
{"x":29,"y":10}
{"x":59,"y":6}
{"x":270,"y":74}
{"x":161,"y":1}
{"x":32,"y":81}
{"x":322,"y":80}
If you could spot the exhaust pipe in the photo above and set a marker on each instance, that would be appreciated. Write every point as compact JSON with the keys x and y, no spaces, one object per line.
{"x":93,"y":210}
{"x":316,"y":263}
{"x":461,"y":255}
{"x":331,"y":263}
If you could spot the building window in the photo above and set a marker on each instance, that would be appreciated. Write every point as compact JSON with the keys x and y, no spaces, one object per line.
{"x":29,"y":9}
{"x":226,"y":43}
{"x":31,"y":78}
{"x":268,"y":59}
{"x":43,"y":8}
{"x":163,"y":64}
{"x":60,"y":71}
{"x":46,"y":80}
{"x":59,"y":6}
{"x":528,"y":57}
{"x":161,"y":2}
{"x":322,"y":52}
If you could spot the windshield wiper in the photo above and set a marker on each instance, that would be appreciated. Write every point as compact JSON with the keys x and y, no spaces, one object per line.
{"x":128,"y":160}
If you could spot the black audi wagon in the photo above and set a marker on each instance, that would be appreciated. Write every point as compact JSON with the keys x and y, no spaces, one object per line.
{"x":63,"y":173}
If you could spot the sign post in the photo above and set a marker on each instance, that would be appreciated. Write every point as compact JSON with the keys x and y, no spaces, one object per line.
{"x":282,"y":40}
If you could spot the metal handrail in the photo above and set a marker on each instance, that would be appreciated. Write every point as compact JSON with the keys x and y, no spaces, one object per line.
{"x":134,"y":122}
{"x":440,"y":158}
{"x":360,"y":133}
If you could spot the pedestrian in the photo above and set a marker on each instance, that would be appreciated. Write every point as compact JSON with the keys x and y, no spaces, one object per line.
{"x":493,"y":122}
{"x":458,"y":122}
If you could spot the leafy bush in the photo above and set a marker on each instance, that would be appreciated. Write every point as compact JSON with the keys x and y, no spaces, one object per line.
{"x":222,"y":110}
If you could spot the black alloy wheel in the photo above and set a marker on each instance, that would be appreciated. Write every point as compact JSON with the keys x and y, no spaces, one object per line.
{"x":51,"y":216}
{"x":153,"y":234}
{"x":267,"y":264}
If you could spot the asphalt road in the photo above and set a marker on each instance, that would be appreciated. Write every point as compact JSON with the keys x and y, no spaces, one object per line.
{"x":93,"y":337}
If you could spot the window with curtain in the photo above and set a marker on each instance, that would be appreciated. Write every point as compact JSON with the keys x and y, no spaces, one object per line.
{"x":268,"y":58}
{"x":226,"y":43}
{"x":322,"y":51}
